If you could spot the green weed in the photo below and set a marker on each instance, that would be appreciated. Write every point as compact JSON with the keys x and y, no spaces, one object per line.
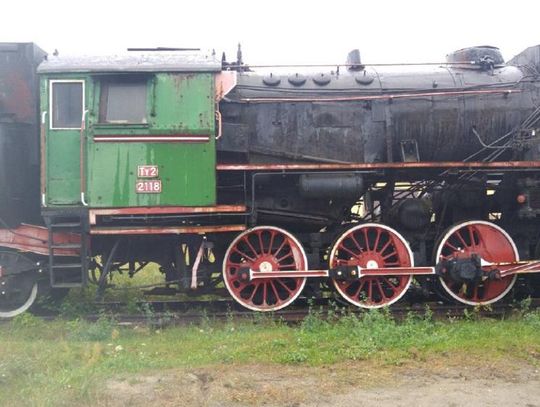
{"x":68,"y":362}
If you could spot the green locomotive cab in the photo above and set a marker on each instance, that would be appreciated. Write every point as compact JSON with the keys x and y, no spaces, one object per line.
{"x":130,"y":131}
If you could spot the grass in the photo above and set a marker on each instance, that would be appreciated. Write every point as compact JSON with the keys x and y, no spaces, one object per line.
{"x":122,"y":288}
{"x":67,"y":362}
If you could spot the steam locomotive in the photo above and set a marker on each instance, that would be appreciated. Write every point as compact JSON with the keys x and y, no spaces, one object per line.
{"x":363,"y":181}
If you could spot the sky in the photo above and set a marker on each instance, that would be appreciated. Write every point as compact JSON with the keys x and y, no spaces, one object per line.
{"x":277,"y":31}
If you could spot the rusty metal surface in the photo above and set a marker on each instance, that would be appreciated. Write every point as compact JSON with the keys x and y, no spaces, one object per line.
{"x":165,"y":210}
{"x":166,"y":230}
{"x":225,"y":82}
{"x":154,"y":138}
{"x":365,"y":115}
{"x":483,"y":57}
{"x":506,"y":91}
{"x":34,"y":239}
{"x":19,"y":144}
{"x":381,"y":166}
{"x":133,"y":62}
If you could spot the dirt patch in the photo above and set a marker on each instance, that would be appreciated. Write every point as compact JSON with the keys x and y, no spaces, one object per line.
{"x":444,"y":382}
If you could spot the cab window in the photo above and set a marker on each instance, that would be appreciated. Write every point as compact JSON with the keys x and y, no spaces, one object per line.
{"x":123,"y":100}
{"x":66,"y":104}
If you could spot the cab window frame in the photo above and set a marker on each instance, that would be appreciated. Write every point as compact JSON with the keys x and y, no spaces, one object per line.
{"x":52,"y":108}
{"x":105,"y":82}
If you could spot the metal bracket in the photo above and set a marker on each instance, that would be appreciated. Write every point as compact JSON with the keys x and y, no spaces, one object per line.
{"x":195,"y":269}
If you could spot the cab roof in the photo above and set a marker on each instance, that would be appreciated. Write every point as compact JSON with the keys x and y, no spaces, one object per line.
{"x":132,"y":62}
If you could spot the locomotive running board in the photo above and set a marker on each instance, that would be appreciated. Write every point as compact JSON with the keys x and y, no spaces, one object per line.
{"x":165,"y":210}
{"x":166,"y":230}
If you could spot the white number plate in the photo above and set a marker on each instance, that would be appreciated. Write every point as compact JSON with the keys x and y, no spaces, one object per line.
{"x":147,"y":171}
{"x":148,"y":187}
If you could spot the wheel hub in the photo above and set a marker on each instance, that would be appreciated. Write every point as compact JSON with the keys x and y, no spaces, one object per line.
{"x":370,"y":260}
{"x":265,"y":264}
{"x":372,"y":264}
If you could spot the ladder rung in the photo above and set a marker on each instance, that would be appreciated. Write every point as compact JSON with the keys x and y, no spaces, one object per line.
{"x":67,"y":273}
{"x":66,"y":285}
{"x":66,"y":225}
{"x":67,"y":266}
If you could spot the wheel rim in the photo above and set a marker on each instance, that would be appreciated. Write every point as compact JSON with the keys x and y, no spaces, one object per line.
{"x":18,"y":292}
{"x":492,"y":244}
{"x":264,"y":248}
{"x":372,"y":245}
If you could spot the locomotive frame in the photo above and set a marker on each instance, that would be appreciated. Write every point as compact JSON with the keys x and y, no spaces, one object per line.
{"x":177,"y":159}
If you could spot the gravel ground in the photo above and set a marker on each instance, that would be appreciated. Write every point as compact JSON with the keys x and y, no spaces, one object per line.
{"x":445,"y":381}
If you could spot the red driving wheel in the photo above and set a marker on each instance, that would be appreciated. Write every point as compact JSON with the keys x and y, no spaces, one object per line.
{"x":372,"y":246}
{"x":264,"y":248}
{"x":492,"y":244}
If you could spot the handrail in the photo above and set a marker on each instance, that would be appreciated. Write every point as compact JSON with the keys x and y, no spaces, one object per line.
{"x":218,"y":118}
{"x":82,"y":161}
{"x":43,"y":164}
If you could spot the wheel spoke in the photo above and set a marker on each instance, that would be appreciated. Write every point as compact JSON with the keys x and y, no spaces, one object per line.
{"x":281,"y":246}
{"x":271,"y":244}
{"x":261,"y":245}
{"x":255,"y":289}
{"x":286,"y":256}
{"x":241,"y":253}
{"x":451,"y":246}
{"x":274,"y":289}
{"x":379,"y":233}
{"x":265,"y":293}
{"x":365,"y":230}
{"x":237,"y":265}
{"x":283,"y":285}
{"x":360,"y":286}
{"x":355,"y":255}
{"x":458,"y":234}
{"x":251,"y":246}
{"x":258,"y":295}
{"x":393,"y":253}
{"x":380,"y":288}
{"x":385,"y":246}
{"x":471,"y":236}
{"x":392,"y":286}
{"x":360,"y":250}
{"x":371,"y":292}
